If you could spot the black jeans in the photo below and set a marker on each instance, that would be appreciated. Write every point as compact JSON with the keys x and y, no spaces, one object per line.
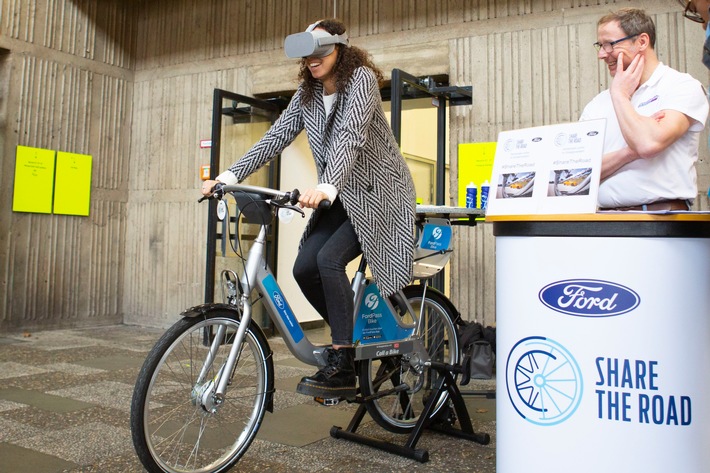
{"x":320,"y":270}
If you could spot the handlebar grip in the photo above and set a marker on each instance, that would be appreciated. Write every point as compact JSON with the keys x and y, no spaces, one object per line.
{"x":216,"y":192}
{"x":295,"y":194}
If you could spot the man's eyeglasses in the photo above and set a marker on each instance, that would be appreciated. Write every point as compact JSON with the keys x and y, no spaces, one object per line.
{"x":690,"y":12}
{"x":609,"y":47}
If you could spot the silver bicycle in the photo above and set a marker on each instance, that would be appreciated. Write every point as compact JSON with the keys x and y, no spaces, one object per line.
{"x":204,"y":388}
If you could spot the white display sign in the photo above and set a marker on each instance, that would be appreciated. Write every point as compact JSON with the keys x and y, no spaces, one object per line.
{"x":552,"y":169}
{"x":602,"y":366}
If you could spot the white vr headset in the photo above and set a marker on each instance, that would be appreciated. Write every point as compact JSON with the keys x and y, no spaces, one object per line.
{"x":313,"y":43}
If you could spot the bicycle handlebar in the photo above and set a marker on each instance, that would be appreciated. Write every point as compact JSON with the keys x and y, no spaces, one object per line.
{"x":323,"y":204}
{"x":277,"y":196}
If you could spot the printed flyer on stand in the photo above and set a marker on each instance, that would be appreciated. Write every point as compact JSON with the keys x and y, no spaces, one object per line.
{"x":552,"y":169}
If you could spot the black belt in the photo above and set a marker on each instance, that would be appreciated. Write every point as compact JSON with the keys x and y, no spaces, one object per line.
{"x":677,"y":204}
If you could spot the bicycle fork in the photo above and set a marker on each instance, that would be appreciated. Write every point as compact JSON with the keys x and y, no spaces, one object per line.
{"x":210,"y":395}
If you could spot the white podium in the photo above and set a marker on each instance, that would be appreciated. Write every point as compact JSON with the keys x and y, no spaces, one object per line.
{"x":603,"y":343}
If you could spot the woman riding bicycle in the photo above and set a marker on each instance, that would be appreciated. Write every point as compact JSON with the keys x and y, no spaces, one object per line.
{"x":360,"y":171}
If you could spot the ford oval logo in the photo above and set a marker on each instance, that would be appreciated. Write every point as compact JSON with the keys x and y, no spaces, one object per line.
{"x":278,"y":300}
{"x":589,"y":298}
{"x":537,"y":139}
{"x":593,"y":133}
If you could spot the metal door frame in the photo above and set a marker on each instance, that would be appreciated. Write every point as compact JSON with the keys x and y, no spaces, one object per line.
{"x":273,"y":110}
{"x":405,"y":86}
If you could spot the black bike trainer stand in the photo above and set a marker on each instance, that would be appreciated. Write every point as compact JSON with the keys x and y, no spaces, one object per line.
{"x":446,"y":382}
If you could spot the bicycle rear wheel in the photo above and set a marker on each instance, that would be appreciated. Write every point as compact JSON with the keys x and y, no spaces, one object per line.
{"x":177,"y":426}
{"x":399,"y":411}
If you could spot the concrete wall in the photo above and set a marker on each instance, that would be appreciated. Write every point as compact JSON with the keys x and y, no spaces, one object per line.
{"x":131,"y":83}
{"x":67,"y":85}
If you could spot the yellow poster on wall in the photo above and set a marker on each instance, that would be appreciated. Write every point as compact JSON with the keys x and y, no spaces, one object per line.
{"x":475,"y":165}
{"x":72,"y":188}
{"x":34,"y":180}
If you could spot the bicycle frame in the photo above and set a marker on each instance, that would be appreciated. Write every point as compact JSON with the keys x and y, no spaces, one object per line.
{"x":405,"y":378}
{"x":395,"y":339}
{"x":258,"y":274}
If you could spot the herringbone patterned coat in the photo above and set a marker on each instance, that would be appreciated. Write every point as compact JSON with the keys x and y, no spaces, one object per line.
{"x":355,"y":151}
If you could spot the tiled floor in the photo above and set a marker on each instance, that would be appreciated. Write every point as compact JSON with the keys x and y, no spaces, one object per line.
{"x":65,"y":400}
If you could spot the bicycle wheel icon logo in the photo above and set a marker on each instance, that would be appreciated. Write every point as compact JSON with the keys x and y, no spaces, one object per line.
{"x":544,"y":381}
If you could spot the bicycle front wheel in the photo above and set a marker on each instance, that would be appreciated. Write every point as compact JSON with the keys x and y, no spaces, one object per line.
{"x":399,"y":410}
{"x":178,"y":426}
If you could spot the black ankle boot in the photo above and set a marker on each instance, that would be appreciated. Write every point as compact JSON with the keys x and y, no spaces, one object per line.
{"x":335,"y":380}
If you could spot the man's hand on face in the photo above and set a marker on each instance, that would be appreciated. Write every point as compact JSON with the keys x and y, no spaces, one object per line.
{"x":627,"y":79}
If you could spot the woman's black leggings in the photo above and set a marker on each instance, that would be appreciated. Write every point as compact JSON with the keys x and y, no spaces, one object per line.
{"x":320,"y":270}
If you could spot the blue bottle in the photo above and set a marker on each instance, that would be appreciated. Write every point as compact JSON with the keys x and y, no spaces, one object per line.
{"x":471,"y":197}
{"x":485,"y":187}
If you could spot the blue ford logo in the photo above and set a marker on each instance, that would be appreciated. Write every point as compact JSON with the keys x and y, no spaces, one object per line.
{"x":589,"y":298}
{"x":593,"y":133}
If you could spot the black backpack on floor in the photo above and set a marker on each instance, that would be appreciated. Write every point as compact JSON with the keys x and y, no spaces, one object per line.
{"x":477,"y":344}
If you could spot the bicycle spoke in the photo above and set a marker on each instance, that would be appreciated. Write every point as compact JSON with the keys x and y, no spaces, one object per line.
{"x":399,"y":410}
{"x":186,"y":429}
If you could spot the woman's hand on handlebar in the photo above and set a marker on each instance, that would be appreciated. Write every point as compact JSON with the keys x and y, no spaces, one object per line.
{"x":208,"y":186}
{"x":311,"y":198}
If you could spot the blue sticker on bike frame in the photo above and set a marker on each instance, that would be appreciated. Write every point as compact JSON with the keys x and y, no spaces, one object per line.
{"x":274,"y":293}
{"x":375,"y":322}
{"x":436,"y":237}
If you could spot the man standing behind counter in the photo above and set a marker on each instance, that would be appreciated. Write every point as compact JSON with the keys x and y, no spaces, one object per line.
{"x":654,"y":118}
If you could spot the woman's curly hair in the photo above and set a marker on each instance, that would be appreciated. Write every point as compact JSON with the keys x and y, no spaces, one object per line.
{"x":349,"y":59}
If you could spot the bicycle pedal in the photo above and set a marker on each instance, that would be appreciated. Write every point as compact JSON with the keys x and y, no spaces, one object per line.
{"x":327,"y":401}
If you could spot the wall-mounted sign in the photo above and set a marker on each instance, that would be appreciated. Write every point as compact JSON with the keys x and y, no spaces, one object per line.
{"x":475,"y":166}
{"x":72,"y":188}
{"x":48,"y":181}
{"x":34,"y":180}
